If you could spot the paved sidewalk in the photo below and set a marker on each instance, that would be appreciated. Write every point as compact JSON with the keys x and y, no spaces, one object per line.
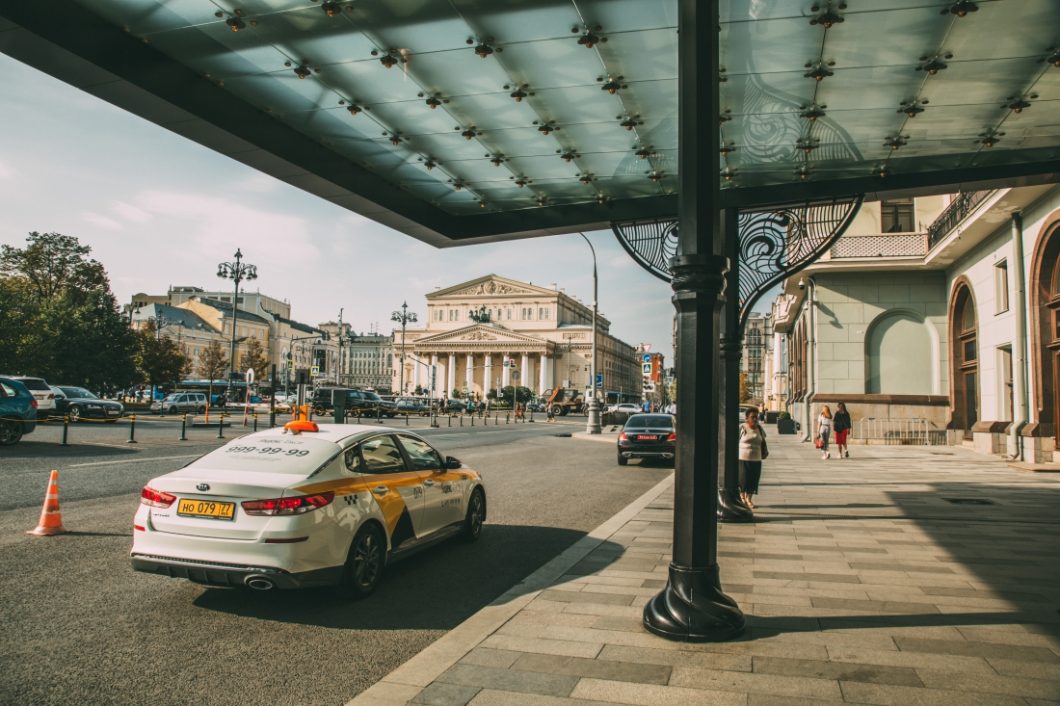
{"x":903,"y":575}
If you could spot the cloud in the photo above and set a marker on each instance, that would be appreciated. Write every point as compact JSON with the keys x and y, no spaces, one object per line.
{"x":6,"y":172}
{"x":101,"y":221}
{"x":130,"y":212}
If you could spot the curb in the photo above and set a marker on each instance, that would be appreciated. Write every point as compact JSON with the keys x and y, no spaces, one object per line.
{"x":413,"y":676}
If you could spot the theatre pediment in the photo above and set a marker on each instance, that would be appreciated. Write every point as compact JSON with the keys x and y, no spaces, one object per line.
{"x":490,"y":286}
{"x":482,"y":336}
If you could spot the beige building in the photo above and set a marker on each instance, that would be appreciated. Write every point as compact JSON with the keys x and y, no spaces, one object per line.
{"x":492,"y":332}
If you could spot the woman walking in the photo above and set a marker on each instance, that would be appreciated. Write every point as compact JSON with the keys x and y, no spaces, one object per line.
{"x":842,"y":425}
{"x":824,"y":430}
{"x":753,"y":450}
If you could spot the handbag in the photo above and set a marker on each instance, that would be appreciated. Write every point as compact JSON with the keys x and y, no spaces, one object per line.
{"x":818,"y":443}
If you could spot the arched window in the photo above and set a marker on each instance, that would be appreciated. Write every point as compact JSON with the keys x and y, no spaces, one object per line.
{"x":898,"y":355}
{"x":964,"y":360}
{"x":1045,"y":307}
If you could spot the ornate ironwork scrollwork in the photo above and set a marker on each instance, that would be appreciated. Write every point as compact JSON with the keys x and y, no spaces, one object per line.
{"x":775,"y":243}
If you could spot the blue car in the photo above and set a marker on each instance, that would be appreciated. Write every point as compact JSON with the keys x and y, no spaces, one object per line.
{"x":18,"y":411}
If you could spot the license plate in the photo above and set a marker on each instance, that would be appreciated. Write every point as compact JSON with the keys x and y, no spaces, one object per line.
{"x":206,"y":508}
{"x":646,"y":437}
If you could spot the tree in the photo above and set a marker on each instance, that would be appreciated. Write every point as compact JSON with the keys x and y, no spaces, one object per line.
{"x":254,"y":357}
{"x":161,"y":360}
{"x":213,"y":361}
{"x":522,"y":394}
{"x":59,"y":318}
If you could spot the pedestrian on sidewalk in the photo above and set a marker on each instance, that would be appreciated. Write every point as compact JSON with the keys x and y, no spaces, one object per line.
{"x":824,"y":430}
{"x":842,"y":425}
{"x":753,"y":450}
{"x":550,"y":413}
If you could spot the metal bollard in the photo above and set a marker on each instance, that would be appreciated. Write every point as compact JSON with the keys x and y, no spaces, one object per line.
{"x":272,"y":418}
{"x":183,"y":428}
{"x":66,"y":427}
{"x":221,"y":426}
{"x":358,"y":416}
{"x":472,"y":420}
{"x":132,"y":430}
{"x":450,"y":419}
{"x":406,"y":418}
{"x":255,"y":422}
{"x":507,"y":417}
{"x":461,"y":420}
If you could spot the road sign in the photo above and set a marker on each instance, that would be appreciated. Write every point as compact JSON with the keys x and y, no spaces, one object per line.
{"x":314,"y":371}
{"x":599,"y":379}
{"x":646,"y":358}
{"x":645,"y":368}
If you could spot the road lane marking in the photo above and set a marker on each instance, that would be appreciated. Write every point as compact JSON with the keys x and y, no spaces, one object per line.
{"x":132,"y":460}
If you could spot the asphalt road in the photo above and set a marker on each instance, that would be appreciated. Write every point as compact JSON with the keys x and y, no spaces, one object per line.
{"x":81,"y":627}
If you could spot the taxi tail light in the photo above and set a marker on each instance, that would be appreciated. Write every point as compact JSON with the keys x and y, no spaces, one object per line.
{"x":622,"y":436}
{"x":155,"y":498}
{"x":672,"y":436}
{"x":296,"y":505}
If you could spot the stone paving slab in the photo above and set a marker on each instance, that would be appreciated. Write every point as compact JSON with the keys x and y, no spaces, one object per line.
{"x":866,"y":580}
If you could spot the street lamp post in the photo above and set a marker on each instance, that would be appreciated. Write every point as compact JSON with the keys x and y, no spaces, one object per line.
{"x":593,"y":425}
{"x":237,"y":272}
{"x":403,"y":317}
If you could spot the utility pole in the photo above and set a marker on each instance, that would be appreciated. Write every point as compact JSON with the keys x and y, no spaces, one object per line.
{"x":339,"y":374}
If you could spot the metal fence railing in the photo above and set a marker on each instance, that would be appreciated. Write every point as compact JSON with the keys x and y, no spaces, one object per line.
{"x":880,"y":245}
{"x":957,"y":211}
{"x":899,"y":432}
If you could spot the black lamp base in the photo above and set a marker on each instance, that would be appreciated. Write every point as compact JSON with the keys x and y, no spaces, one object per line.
{"x":730,"y":509}
{"x":692,"y":608}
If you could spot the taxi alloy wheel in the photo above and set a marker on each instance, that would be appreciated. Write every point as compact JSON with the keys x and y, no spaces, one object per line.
{"x":364,"y":566}
{"x":476,"y":511}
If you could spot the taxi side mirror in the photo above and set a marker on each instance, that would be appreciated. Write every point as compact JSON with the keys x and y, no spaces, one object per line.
{"x":451,"y":462}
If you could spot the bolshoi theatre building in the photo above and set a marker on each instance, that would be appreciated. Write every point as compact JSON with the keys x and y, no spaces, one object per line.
{"x":492,"y":332}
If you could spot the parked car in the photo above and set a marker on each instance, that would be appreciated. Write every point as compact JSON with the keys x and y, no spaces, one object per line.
{"x":41,"y":391}
{"x":79,"y":403}
{"x":619,"y":413}
{"x":412,"y":405}
{"x":180,"y":402}
{"x":18,"y":411}
{"x":331,"y":504}
{"x":358,"y":402}
{"x":647,"y":436}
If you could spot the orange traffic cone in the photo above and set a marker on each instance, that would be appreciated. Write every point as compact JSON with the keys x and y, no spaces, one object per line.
{"x":51,"y":521}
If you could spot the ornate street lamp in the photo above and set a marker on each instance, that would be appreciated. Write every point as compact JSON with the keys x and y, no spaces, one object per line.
{"x":592,"y":425}
{"x":237,"y":272}
{"x":403,"y":317}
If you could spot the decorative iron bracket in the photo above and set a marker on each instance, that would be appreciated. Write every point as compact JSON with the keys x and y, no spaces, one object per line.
{"x":775,"y":243}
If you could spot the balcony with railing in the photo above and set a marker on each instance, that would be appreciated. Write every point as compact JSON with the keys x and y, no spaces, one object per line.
{"x":882,"y":245}
{"x":965,"y":203}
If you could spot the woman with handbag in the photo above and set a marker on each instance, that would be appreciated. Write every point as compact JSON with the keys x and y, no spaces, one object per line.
{"x":753,"y":450}
{"x":824,"y":430}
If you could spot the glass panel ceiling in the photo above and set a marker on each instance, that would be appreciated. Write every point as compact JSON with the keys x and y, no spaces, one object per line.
{"x":505,"y":105}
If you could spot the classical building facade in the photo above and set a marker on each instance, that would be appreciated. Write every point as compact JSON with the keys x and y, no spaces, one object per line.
{"x":756,"y":361}
{"x":940,"y":311}
{"x":492,"y":332}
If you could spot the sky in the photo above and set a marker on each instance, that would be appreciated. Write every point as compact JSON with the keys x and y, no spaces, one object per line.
{"x":159,"y":210}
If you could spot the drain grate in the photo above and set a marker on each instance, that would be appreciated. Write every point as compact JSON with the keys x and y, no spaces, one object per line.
{"x":969,"y":501}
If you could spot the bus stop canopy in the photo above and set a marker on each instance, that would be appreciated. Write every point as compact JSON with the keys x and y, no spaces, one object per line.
{"x":459,"y":121}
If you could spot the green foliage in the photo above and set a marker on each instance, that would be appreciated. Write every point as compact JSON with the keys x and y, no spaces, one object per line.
{"x":161,"y":361}
{"x":783,"y":415}
{"x":254,"y":357}
{"x":59,"y":318}
{"x":213,"y":361}
{"x":522,"y":394}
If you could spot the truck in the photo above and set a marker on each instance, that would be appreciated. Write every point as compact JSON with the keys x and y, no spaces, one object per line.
{"x":564,"y":400}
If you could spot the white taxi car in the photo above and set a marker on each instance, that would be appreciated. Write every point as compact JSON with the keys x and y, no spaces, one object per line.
{"x":307,"y":505}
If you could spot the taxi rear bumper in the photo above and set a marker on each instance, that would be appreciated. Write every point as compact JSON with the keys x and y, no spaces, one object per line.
{"x":261,"y":578}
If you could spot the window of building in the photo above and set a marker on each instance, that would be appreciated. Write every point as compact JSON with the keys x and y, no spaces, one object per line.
{"x":896,"y":216}
{"x":1001,"y":287}
{"x":1004,"y":376}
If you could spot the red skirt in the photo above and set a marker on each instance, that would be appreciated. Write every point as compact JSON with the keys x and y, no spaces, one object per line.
{"x":841,"y":437}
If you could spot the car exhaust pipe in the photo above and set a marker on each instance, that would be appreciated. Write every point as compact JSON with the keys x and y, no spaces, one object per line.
{"x":259,"y":583}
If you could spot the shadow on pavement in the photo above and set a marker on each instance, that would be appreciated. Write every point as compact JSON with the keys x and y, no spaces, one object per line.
{"x":436,"y":589}
{"x":52,"y":449}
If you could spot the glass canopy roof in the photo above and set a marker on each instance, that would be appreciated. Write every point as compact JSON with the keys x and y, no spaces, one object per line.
{"x":529,"y":107}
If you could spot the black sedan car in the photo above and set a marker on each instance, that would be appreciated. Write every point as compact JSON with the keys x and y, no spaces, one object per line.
{"x":647,"y":436}
{"x":80,"y":403}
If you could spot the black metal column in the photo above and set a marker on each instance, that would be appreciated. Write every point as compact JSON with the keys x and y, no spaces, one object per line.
{"x":730,"y":508}
{"x":692,"y":606}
